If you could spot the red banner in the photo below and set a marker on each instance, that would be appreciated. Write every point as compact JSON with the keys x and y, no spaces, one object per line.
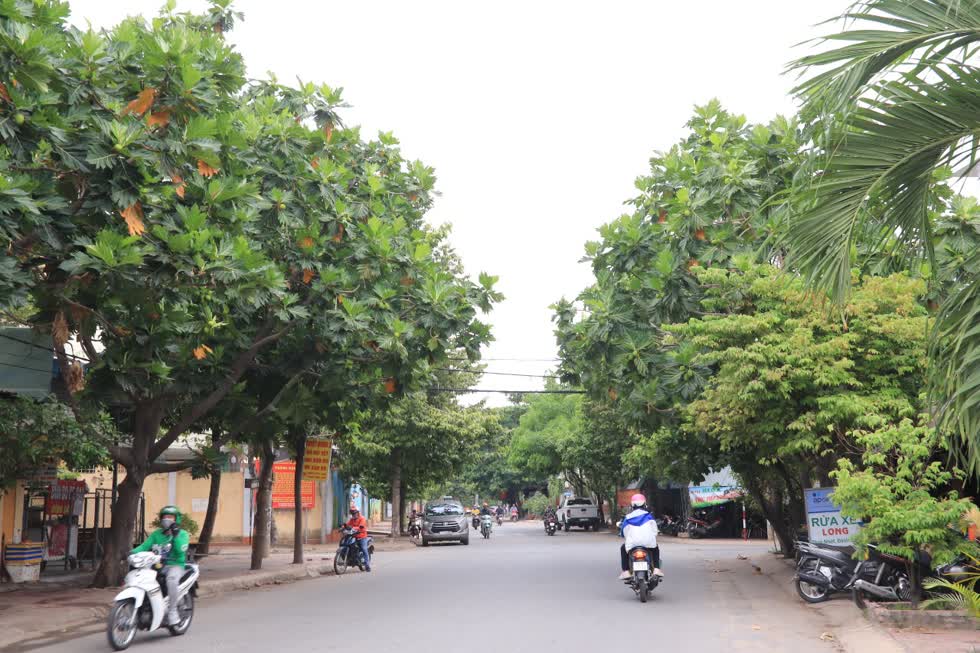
{"x":284,"y":474}
{"x":65,"y":498}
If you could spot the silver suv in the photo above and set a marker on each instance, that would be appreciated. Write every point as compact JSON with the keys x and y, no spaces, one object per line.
{"x":445,"y":521}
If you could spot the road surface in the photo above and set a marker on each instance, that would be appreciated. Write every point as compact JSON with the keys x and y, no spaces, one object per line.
{"x":518,"y":591}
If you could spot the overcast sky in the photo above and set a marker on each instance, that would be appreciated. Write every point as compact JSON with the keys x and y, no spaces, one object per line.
{"x":537,"y":115}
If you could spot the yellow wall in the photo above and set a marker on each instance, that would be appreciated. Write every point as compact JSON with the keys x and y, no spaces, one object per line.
{"x":228,"y":525}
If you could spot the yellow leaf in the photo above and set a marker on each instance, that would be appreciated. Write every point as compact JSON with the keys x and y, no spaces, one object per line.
{"x":328,"y":130}
{"x":178,"y":185}
{"x":315,"y":162}
{"x":4,"y":93}
{"x":390,"y":385}
{"x":201,"y":352}
{"x":134,"y":219}
{"x":142,"y":103}
{"x":305,"y":242}
{"x":339,"y":236}
{"x":205,"y":169}
{"x":307,"y":276}
{"x":159,"y":118}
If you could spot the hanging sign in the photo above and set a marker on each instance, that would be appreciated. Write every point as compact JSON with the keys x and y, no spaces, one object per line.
{"x":316,"y":460}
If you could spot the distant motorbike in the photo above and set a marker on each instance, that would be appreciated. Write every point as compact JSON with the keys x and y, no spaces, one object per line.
{"x":891,"y":579}
{"x":669,"y":525}
{"x":500,"y":519}
{"x":486,"y":525}
{"x":476,"y":522}
{"x":822,"y":571}
{"x":642,"y":579}
{"x":700,"y":526}
{"x":349,"y":552}
{"x":415,"y":527}
{"x":142,"y":604}
{"x":551,"y":524}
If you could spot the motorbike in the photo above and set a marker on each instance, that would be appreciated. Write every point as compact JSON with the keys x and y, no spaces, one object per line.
{"x":822,"y":571}
{"x":699,"y":526}
{"x":143,"y":602}
{"x":486,"y":525}
{"x":891,"y":580}
{"x":669,"y":525}
{"x":349,"y":552}
{"x":500,"y":520}
{"x":642,"y":579}
{"x":476,"y":522}
{"x":415,"y":527}
{"x":551,"y":524}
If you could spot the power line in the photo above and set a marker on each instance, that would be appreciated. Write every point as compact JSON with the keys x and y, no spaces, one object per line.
{"x":518,"y":360}
{"x":510,"y":392}
{"x":531,"y":376}
{"x":37,"y":346}
{"x":29,"y":369}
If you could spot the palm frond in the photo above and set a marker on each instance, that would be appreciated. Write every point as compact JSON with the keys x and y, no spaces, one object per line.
{"x":955,"y":596}
{"x":882,"y":34}
{"x":886,"y":152}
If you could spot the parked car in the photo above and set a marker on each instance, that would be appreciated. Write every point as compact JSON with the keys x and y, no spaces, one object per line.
{"x":578,"y":511}
{"x":445,"y":521}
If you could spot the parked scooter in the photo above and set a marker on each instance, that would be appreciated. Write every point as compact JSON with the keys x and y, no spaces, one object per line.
{"x":349,"y":552}
{"x":891,"y":580}
{"x":486,"y":525}
{"x":143,"y":602}
{"x":551,"y":524}
{"x":669,"y":525}
{"x":698,"y":525}
{"x":642,"y":579}
{"x":822,"y":571}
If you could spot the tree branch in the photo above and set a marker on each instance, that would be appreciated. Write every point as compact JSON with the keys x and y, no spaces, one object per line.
{"x":250,"y":422}
{"x":122,"y":455}
{"x":90,"y":351}
{"x":176,"y":466}
{"x":202,"y":408}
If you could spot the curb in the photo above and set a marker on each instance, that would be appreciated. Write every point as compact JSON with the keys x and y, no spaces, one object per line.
{"x":15,"y":639}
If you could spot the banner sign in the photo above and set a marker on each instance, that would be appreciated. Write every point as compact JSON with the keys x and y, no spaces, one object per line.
{"x":284,"y":472}
{"x":623,"y":498}
{"x":824,"y":521}
{"x":65,"y":498}
{"x":702,"y":497}
{"x":316,"y":460}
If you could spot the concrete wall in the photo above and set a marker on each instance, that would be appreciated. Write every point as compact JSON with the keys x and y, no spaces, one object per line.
{"x":234,"y":509}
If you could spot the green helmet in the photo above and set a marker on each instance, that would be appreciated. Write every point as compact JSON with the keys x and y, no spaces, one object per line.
{"x":172,"y":511}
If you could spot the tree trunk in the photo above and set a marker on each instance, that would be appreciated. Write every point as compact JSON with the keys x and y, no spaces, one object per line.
{"x":207,"y":529}
{"x":263,"y":508}
{"x":915,"y":579}
{"x":396,"y":493}
{"x":403,"y":508}
{"x":298,"y":502}
{"x":119,"y":542}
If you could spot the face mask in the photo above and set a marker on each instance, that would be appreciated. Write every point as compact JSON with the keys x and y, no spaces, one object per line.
{"x":166,"y":523}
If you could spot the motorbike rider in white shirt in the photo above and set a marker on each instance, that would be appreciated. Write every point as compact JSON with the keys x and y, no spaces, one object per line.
{"x":640,"y":530}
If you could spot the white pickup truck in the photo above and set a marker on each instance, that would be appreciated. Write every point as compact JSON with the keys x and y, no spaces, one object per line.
{"x":578,"y":511}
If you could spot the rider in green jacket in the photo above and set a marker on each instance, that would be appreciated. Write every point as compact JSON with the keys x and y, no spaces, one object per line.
{"x":170,"y":533}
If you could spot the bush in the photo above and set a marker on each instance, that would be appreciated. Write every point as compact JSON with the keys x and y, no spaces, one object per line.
{"x":186,"y":522}
{"x":537,"y":504}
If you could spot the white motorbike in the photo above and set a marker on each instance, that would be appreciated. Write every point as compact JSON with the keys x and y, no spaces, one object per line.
{"x":486,"y":526}
{"x":142,"y":604}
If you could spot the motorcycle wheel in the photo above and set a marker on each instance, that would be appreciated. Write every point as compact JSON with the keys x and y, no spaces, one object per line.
{"x":643,"y":591}
{"x":340,"y":563}
{"x":809,"y":592}
{"x":120,"y":636}
{"x":186,"y":609}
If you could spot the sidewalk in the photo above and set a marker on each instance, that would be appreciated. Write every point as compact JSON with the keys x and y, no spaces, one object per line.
{"x":40,"y":611}
{"x":847,"y":624}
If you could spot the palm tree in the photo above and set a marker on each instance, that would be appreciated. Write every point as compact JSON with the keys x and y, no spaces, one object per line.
{"x":896,"y":97}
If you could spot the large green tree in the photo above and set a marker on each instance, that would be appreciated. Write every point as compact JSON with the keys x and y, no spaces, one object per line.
{"x":898,"y":95}
{"x":186,"y":225}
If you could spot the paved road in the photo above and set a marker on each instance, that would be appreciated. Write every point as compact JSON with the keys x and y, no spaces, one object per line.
{"x":540,"y":593}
